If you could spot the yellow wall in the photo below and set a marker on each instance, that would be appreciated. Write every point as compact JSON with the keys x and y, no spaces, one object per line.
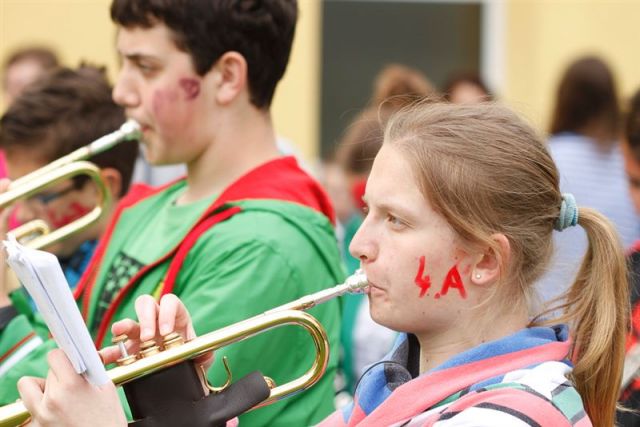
{"x":76,"y":29}
{"x":82,"y":30}
{"x":544,"y":36}
{"x":296,"y":108}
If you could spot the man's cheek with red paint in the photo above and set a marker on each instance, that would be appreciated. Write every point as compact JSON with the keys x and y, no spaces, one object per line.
{"x":63,"y":216}
{"x":190,"y":87}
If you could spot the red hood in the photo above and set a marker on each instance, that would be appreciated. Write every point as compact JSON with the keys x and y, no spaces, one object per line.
{"x":281,"y":179}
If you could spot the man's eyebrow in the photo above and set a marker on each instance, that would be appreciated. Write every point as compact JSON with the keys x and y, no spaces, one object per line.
{"x":136,"y":57}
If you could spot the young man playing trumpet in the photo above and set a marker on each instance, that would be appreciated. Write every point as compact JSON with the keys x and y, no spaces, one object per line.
{"x":247,"y":229}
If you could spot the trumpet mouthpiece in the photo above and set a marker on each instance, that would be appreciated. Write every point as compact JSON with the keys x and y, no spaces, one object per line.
{"x":357,"y":282}
{"x":131,"y":129}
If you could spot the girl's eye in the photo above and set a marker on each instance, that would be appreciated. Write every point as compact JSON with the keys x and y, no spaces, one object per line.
{"x":396,"y":222}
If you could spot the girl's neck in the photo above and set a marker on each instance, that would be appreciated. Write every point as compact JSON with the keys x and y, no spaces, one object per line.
{"x":436,"y":347}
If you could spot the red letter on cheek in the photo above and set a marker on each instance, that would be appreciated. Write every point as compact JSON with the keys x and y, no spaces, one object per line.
{"x":191,"y":88}
{"x":453,"y":280}
{"x":424,"y":283}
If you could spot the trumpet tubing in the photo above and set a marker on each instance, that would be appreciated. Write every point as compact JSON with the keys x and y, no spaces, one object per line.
{"x":288,"y":314}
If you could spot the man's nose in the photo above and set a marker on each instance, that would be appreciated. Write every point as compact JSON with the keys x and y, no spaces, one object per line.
{"x":124,"y":92}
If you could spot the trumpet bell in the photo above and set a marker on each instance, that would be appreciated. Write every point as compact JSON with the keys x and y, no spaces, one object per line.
{"x":40,"y":182}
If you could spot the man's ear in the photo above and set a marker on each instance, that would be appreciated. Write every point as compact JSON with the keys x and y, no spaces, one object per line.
{"x":230,"y":77}
{"x":490,"y":263}
{"x":113,"y":180}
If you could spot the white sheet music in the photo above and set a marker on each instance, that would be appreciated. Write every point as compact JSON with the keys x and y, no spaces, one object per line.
{"x":40,"y":273}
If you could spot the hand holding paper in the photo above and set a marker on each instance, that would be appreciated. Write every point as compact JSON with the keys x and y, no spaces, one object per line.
{"x":42,"y":276}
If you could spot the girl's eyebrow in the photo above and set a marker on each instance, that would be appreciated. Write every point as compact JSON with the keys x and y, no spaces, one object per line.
{"x":392,"y":206}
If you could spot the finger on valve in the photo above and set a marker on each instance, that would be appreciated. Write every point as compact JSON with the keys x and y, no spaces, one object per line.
{"x":123,"y":328}
{"x":147,"y":311}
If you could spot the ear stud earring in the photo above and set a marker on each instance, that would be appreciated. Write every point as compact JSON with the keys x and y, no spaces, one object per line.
{"x":478,"y":276}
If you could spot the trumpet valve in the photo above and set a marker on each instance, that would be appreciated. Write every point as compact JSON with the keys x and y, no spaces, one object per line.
{"x":126,"y":358}
{"x":172,"y":340}
{"x":149,"y":348}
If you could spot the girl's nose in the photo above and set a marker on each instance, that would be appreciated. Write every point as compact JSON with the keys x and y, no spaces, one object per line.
{"x":363,"y":246}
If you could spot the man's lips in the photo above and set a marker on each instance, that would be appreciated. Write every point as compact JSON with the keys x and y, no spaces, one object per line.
{"x":144,"y":127}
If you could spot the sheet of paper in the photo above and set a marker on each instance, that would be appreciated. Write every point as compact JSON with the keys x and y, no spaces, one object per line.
{"x":40,"y":273}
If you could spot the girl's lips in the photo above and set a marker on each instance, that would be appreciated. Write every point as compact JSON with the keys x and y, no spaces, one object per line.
{"x":374,"y":288}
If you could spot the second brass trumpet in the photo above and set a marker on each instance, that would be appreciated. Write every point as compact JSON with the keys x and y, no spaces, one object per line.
{"x":66,"y":167}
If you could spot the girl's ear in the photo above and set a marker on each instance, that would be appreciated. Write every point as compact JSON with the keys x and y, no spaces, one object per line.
{"x":486,"y":270}
{"x":230,"y":77}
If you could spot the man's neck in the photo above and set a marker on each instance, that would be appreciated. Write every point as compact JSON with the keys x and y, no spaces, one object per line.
{"x":242,"y":142}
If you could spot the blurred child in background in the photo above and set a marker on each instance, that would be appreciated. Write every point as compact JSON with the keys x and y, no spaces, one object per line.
{"x":61,"y":112}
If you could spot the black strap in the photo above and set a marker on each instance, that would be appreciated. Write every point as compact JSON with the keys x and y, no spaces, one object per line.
{"x":238,"y":398}
{"x":174,"y":397}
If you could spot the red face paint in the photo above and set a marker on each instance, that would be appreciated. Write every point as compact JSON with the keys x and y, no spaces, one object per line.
{"x":76,"y":210}
{"x":191,"y":88}
{"x":424,"y":283}
{"x":453,"y":280}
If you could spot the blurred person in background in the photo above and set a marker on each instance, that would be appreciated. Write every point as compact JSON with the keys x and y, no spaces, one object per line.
{"x":25,"y":66}
{"x":585,"y":144}
{"x":631,"y":150}
{"x":61,"y":112}
{"x":20,"y":69}
{"x":466,"y":88}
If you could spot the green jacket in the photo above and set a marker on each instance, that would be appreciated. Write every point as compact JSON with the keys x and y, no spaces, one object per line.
{"x":269,"y":253}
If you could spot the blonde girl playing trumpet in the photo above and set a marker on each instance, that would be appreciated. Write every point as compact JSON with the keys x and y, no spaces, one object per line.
{"x":462,"y":203}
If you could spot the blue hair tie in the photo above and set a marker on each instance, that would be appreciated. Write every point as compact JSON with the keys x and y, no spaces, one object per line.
{"x":568,"y":212}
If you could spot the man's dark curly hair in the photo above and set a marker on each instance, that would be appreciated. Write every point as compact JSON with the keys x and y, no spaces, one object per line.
{"x":260,"y":30}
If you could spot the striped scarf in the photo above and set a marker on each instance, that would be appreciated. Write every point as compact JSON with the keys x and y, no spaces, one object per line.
{"x":517,"y":380}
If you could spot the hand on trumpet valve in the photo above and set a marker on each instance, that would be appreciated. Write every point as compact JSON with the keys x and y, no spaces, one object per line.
{"x":155,"y":322}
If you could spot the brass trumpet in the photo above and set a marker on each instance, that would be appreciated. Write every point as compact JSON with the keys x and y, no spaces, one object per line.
{"x":66,"y":167}
{"x":287,"y":314}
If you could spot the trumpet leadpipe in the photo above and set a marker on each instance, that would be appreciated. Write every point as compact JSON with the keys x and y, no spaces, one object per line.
{"x":129,"y":131}
{"x":355,"y":284}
